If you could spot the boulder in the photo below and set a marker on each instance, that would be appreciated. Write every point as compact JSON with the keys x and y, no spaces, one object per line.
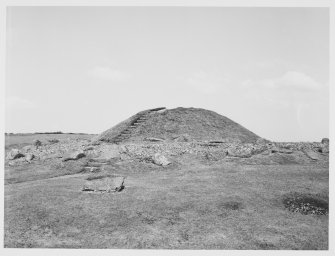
{"x":216,"y":142}
{"x":153,"y":139}
{"x":104,"y":184}
{"x":285,"y":151}
{"x":29,"y":157}
{"x":325,"y":141}
{"x":118,"y":183}
{"x":14,"y":154}
{"x":275,"y":149}
{"x":161,"y":160}
{"x":75,"y":155}
{"x":259,"y":149}
{"x":311,"y":154}
{"x":92,"y":169}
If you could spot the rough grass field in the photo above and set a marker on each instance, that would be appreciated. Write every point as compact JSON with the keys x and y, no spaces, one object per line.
{"x":21,"y":140}
{"x":222,"y":205}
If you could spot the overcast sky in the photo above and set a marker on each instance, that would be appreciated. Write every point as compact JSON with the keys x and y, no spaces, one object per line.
{"x":84,"y":69}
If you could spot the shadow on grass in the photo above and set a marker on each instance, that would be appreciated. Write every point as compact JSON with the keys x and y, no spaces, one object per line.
{"x":306,"y":204}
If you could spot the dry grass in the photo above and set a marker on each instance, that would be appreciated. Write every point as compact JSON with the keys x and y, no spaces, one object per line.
{"x":222,"y":206}
{"x":43,"y":170}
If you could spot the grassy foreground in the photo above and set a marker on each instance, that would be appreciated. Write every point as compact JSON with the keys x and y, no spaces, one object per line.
{"x":222,"y":206}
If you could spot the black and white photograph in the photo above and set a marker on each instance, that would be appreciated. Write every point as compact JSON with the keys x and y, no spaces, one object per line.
{"x":167,"y":127}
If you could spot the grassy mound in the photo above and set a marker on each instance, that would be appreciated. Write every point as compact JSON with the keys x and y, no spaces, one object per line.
{"x":198,"y":124}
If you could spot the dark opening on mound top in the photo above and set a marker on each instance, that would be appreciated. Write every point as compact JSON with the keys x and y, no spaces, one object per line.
{"x":170,"y":124}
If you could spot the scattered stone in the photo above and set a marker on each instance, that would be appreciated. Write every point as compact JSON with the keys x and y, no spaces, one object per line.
{"x":96,"y":143}
{"x":285,"y":151}
{"x":183,"y":138}
{"x":27,"y":149}
{"x":104,"y":184}
{"x":215,"y":156}
{"x":266,"y":152}
{"x":281,"y":150}
{"x":262,"y":141}
{"x":161,"y":160}
{"x":89,"y":148}
{"x":243,"y":152}
{"x":216,"y":142}
{"x":311,"y":154}
{"x":53,"y":141}
{"x":274,"y":150}
{"x":118,"y":183}
{"x":29,"y":157}
{"x":108,"y":151}
{"x":153,"y":139}
{"x":14,"y":154}
{"x":210,"y":144}
{"x":325,"y":141}
{"x":37,"y":143}
{"x":325,"y":148}
{"x":74,"y":155}
{"x":124,"y":149}
{"x":94,"y":169}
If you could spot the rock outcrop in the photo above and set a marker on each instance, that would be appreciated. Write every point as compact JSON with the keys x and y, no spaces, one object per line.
{"x":104,"y":184}
{"x":311,"y":154}
{"x":75,"y":155}
{"x":29,"y":157}
{"x":14,"y":154}
{"x":161,"y":160}
{"x":325,"y":141}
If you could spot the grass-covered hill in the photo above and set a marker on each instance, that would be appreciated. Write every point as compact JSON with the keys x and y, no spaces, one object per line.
{"x":169,"y":124}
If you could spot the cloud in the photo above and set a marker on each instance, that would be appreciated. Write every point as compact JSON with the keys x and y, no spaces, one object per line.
{"x":293,"y":91}
{"x":290,"y":81}
{"x":206,"y":82}
{"x":15,"y":102}
{"x":109,"y":74}
{"x":297,"y":81}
